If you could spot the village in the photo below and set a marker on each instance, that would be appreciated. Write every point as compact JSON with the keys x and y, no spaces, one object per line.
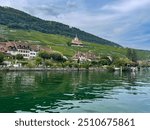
{"x":20,"y":54}
{"x":20,"y":50}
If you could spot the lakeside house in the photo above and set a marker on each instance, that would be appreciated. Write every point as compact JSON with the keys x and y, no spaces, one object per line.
{"x":76,"y":42}
{"x":24,"y":49}
{"x":14,"y":48}
{"x":80,"y":56}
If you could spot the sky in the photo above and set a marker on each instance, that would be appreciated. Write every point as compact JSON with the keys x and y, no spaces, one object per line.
{"x":126,"y":22}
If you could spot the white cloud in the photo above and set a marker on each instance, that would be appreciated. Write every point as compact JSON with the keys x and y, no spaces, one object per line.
{"x":19,"y":4}
{"x":5,"y":3}
{"x":71,"y":4}
{"x":125,"y":6}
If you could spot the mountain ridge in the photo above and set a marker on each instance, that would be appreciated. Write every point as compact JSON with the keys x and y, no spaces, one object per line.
{"x":17,"y":19}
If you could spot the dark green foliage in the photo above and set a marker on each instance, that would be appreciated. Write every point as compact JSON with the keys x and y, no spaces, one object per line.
{"x":69,"y":43}
{"x":110,"y":68}
{"x":132,"y":55}
{"x":122,"y":62}
{"x":23,"y":62}
{"x":48,"y":63}
{"x":94,"y":63}
{"x":105,"y":61}
{"x":19,"y":20}
{"x":19,"y":57}
{"x":38,"y":60}
{"x":129,"y":53}
{"x":86,"y":65}
{"x":56,"y":56}
{"x":44,"y":55}
{"x":1,"y":57}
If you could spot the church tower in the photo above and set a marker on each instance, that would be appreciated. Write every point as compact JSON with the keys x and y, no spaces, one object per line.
{"x":76,"y":42}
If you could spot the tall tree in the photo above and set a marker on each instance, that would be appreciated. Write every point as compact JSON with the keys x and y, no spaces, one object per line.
{"x":132,"y":55}
{"x":44,"y":55}
{"x":129,"y":53}
{"x":1,"y":57}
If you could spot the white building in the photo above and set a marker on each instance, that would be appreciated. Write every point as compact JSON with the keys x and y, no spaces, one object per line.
{"x":19,"y":48}
{"x":32,"y":54}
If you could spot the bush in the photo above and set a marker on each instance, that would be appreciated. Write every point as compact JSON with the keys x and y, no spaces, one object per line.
{"x":38,"y":60}
{"x":85,"y":65}
{"x":110,"y":68}
{"x":31,"y":65}
{"x":122,"y":62}
{"x":95,"y":63}
{"x":19,"y":57}
{"x":105,"y":60}
{"x":24,"y":63}
{"x":69,"y":43}
{"x":76,"y":65}
{"x":70,"y":65}
{"x":48,"y":63}
{"x":44,"y":55}
{"x":56,"y":56}
{"x":1,"y":57}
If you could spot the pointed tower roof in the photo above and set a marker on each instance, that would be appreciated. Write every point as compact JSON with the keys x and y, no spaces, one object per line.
{"x":76,"y":41}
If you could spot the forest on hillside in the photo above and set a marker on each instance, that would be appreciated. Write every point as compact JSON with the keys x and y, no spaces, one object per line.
{"x":20,"y":20}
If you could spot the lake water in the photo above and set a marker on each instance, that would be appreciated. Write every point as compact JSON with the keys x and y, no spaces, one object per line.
{"x":87,"y":92}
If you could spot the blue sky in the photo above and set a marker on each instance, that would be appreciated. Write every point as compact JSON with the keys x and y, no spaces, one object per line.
{"x":126,"y":22}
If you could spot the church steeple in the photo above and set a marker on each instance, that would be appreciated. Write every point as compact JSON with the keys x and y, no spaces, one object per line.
{"x":76,"y":38}
{"x":76,"y":41}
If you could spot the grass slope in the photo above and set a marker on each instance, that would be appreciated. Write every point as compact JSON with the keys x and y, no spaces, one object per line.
{"x":59,"y":43}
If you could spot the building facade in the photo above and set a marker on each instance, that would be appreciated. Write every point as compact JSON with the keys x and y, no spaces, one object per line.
{"x":14,"y":48}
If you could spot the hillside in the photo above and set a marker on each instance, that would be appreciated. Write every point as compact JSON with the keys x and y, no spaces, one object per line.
{"x":59,"y":43}
{"x":20,"y":20}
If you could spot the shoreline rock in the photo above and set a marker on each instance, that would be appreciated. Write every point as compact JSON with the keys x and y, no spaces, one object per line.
{"x":52,"y":69}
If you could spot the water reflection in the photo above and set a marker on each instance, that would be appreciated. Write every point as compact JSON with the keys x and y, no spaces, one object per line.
{"x":73,"y":91}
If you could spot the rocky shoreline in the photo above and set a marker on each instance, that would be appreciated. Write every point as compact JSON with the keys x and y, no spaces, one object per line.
{"x":52,"y":69}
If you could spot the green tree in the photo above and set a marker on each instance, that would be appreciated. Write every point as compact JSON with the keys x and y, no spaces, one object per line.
{"x":44,"y":55}
{"x":57,"y":56}
{"x":105,"y":60}
{"x":1,"y":57}
{"x":122,"y":62}
{"x":19,"y":57}
{"x":31,"y":64}
{"x":129,"y":53}
{"x":69,"y":43}
{"x":132,"y":55}
{"x":38,"y":60}
{"x":48,"y":63}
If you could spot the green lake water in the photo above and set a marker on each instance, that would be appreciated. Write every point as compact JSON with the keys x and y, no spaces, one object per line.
{"x":86,"y":92}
